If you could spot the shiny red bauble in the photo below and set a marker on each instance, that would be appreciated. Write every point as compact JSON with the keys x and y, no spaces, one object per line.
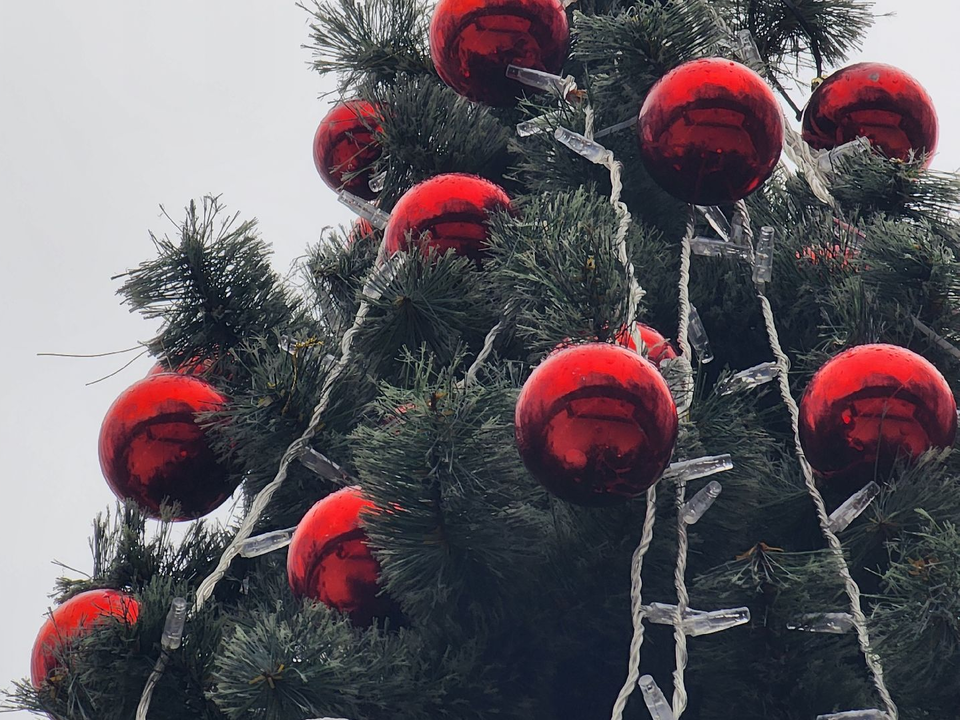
{"x":345,"y":147}
{"x":876,"y":101}
{"x":72,"y":620}
{"x":710,"y":131}
{"x":596,"y":424}
{"x":446,"y":212}
{"x":473,"y":41}
{"x":152,"y":449}
{"x":329,"y":560}
{"x":870,"y":405}
{"x":656,"y":347}
{"x":360,"y":230}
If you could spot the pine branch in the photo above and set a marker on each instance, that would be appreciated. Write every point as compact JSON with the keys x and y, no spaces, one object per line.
{"x":369,"y":40}
{"x":125,"y":556}
{"x":917,"y":616}
{"x":335,"y":270}
{"x":628,"y":52}
{"x":102,"y":674}
{"x":213,"y":287}
{"x":427,"y":130}
{"x":284,"y":660}
{"x":273,"y":409}
{"x":437,"y":302}
{"x":458,"y":519}
{"x":825,"y":31}
{"x":869,"y":183}
{"x":559,"y":264}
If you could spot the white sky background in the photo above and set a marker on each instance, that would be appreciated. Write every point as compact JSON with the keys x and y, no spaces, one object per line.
{"x":109,"y":109}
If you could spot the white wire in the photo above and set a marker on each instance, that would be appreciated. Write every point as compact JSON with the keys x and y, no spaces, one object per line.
{"x":488,"y":344}
{"x":679,"y":576}
{"x":683,"y":294}
{"x":833,"y":542}
{"x":836,"y":549}
{"x":683,"y":602}
{"x":743,"y":215}
{"x":635,"y":293}
{"x":588,"y":120}
{"x":143,"y":707}
{"x":634,"y":296}
{"x":636,"y":605}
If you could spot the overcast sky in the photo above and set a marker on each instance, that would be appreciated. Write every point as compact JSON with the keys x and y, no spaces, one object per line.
{"x":109,"y":109}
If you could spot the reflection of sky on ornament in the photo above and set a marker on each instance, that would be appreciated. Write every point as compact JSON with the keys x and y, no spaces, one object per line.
{"x":112,"y":108}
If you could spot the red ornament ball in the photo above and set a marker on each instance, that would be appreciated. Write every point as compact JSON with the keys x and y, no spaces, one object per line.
{"x":151,"y":448}
{"x":658,"y":348}
{"x":473,"y":41}
{"x":329,"y":559}
{"x":710,"y":131}
{"x":596,"y":424}
{"x":876,"y":101}
{"x":446,"y":212}
{"x":870,"y":405}
{"x":361,"y":230}
{"x":72,"y":620}
{"x":194,"y":366}
{"x":345,"y":147}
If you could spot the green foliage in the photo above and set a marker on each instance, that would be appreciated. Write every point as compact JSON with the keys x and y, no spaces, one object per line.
{"x":335,"y":270}
{"x":438,"y":302}
{"x":126,"y":556}
{"x":628,"y":52}
{"x":102,"y":673}
{"x":458,"y":521}
{"x":427,"y":130}
{"x":213,"y":288}
{"x":780,"y":588}
{"x":542,"y":165}
{"x":517,"y":605}
{"x":557,"y":263}
{"x":826,"y":29}
{"x":275,"y":407}
{"x":375,"y":39}
{"x":917,"y":616}
{"x":870,"y":183}
{"x":277,"y":663}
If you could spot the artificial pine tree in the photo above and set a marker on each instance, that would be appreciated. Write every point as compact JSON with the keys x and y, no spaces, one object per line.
{"x":452,"y":584}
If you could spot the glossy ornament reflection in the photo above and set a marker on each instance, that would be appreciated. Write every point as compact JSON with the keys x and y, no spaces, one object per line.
{"x":657,"y":347}
{"x":446,"y":212}
{"x":70,"y":621}
{"x":869,"y":406}
{"x":876,"y":101}
{"x":473,"y":41}
{"x":329,"y":560}
{"x":710,"y":131}
{"x":596,"y":424}
{"x":345,"y":147}
{"x":152,"y":449}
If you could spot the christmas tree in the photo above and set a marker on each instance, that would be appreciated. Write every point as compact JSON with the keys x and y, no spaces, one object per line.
{"x":619,"y":382}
